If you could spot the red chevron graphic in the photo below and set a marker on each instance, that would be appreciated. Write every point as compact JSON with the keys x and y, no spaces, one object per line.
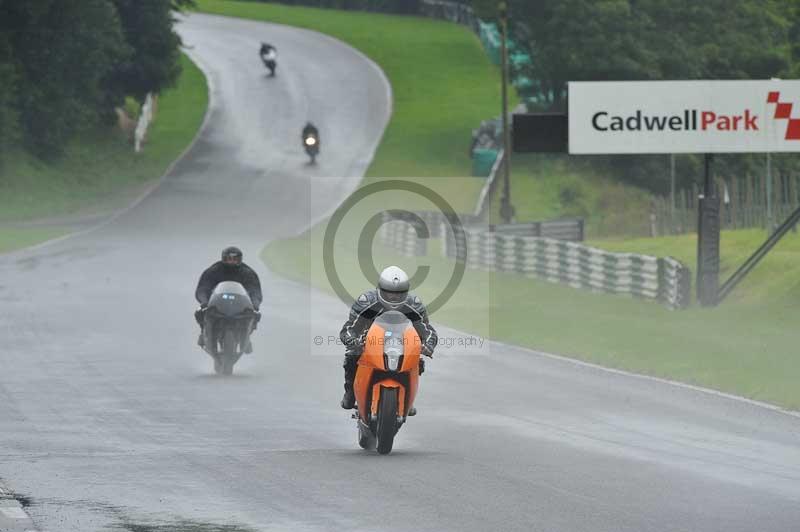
{"x":783,"y":111}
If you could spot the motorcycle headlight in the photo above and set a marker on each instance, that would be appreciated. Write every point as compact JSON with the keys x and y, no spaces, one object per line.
{"x":310,"y":141}
{"x":393,"y":349}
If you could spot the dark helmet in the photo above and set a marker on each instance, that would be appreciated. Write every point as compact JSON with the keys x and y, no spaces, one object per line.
{"x":232,"y":257}
{"x":393,"y":286}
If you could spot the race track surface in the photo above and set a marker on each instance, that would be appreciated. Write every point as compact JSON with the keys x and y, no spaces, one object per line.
{"x":111,"y":417}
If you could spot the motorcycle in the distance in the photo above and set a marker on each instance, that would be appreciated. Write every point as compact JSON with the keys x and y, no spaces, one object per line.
{"x":386,"y":380}
{"x":270,"y":59}
{"x":311,"y":144}
{"x":228,"y":321}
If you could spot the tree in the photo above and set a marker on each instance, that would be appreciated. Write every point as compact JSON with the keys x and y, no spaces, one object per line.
{"x":576,"y":40}
{"x":9,"y":124}
{"x":63,"y":51}
{"x":154,"y":63}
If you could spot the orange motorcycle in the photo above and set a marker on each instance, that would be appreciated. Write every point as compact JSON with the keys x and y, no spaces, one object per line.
{"x":386,"y":380}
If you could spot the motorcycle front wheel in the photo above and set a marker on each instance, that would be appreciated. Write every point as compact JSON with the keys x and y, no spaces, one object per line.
{"x":228,"y":356}
{"x":387,"y":420}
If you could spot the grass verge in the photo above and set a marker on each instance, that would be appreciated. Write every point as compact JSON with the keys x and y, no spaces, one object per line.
{"x":99,"y":171}
{"x":12,"y":238}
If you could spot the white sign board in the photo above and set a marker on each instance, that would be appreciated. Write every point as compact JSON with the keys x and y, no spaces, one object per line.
{"x":684,"y":116}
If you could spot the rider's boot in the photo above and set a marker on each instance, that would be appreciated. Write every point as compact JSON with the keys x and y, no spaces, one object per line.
{"x":350,"y":365}
{"x":349,"y":397}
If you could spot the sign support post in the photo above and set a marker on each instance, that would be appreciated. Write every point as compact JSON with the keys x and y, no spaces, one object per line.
{"x":708,"y":235}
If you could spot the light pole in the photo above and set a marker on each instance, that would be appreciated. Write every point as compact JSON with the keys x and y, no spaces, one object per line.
{"x":506,"y":209}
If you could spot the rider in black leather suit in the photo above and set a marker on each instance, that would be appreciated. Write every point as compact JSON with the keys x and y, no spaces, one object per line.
{"x":391,"y":294}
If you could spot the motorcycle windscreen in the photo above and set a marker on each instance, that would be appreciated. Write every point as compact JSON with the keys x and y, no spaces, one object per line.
{"x":394,"y":324}
{"x":230,"y":299}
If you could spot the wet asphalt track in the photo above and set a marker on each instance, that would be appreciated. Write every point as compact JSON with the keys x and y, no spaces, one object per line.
{"x":111,"y":419}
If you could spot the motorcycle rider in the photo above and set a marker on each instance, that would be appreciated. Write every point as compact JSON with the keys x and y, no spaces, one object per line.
{"x":229,"y":268}
{"x":267,"y":51}
{"x":310,"y":130}
{"x":268,"y":54}
{"x":390,"y":294}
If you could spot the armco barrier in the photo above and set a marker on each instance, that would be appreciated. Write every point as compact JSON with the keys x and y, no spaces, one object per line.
{"x":526,"y":249}
{"x":402,"y":237}
{"x":577,"y":265}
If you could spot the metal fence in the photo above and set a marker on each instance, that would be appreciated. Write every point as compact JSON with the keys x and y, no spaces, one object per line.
{"x":567,"y":229}
{"x":744,"y":204}
{"x":452,"y":11}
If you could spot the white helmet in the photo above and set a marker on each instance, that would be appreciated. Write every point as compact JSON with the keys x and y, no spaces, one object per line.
{"x":393,"y":287}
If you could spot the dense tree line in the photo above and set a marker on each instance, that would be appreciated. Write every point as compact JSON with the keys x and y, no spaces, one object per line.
{"x":65,"y":65}
{"x":574,"y":40}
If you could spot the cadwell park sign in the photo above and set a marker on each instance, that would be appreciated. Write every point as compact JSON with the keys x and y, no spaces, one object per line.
{"x":684,"y":117}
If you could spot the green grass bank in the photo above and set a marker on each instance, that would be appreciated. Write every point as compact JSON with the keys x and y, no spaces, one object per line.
{"x":99,"y":171}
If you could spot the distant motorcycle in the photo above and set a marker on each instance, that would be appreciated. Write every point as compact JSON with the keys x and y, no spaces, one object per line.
{"x":269,"y":56}
{"x":387,"y":380}
{"x":228,"y":321}
{"x":311,"y":144}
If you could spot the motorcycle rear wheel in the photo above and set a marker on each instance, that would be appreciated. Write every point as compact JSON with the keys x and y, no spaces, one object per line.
{"x":387,"y":420}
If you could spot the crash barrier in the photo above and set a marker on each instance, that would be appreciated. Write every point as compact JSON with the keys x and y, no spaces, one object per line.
{"x":402,"y":237}
{"x":532,"y":249}
{"x":408,"y":232}
{"x":145,"y":117}
{"x":660,"y":279}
